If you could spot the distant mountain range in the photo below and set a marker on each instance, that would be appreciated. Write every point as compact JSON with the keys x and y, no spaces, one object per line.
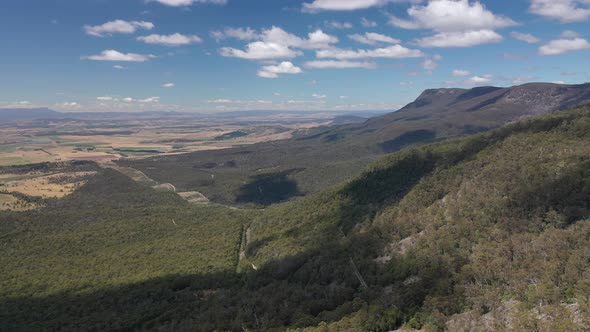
{"x":19,"y":114}
{"x":13,"y":114}
{"x":321,"y":157}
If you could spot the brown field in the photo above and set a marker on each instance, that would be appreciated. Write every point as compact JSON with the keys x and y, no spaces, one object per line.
{"x":11,"y":203}
{"x":44,"y":186}
{"x":103,"y":140}
{"x":194,"y":197}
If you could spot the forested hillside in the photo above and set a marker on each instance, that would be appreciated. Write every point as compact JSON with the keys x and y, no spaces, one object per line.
{"x":277,"y":171}
{"x":485,"y":233}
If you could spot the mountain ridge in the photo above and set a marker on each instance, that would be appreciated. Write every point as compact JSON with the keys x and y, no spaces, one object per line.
{"x":329,"y":155}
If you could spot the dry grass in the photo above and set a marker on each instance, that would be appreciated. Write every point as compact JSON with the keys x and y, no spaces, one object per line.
{"x":60,"y":141}
{"x":194,"y":197}
{"x":11,"y":203}
{"x":47,"y":186}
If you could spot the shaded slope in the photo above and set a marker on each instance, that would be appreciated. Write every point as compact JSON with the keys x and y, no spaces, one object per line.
{"x":442,"y":235}
{"x":341,"y":152}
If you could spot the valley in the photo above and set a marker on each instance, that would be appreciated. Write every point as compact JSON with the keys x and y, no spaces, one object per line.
{"x":491,"y":230}
{"x":295,"y":166}
{"x":55,"y":137}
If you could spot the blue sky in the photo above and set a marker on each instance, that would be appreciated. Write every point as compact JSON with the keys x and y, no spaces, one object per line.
{"x":216,"y":55}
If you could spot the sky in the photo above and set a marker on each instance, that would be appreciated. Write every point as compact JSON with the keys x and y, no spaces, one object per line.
{"x":221,"y":55}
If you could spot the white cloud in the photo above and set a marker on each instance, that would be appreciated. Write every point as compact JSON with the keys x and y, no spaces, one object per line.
{"x":342,"y":5}
{"x":150,"y":100}
{"x":525,"y":37}
{"x":372,"y":38}
{"x":315,"y":40}
{"x":472,"y":81}
{"x":460,"y":39}
{"x":175,"y":39}
{"x":429,"y":64}
{"x":393,"y":52}
{"x":112,"y":55}
{"x":480,"y":79}
{"x":241,"y":103}
{"x":117,"y":26}
{"x":460,"y":72}
{"x":338,"y":25}
{"x":119,"y":67}
{"x":348,"y":5}
{"x":319,"y":96}
{"x":343,"y":97}
{"x":128,"y":99}
{"x":456,"y":23}
{"x":570,"y":34}
{"x":561,"y":46}
{"x":179,"y":3}
{"x":273,"y":71}
{"x":68,"y":104}
{"x":452,"y":16}
{"x":260,"y":51}
{"x":564,"y":11}
{"x":333,"y":64}
{"x":276,"y":43}
{"x":367,"y":23}
{"x":168,"y":85}
{"x":237,"y":33}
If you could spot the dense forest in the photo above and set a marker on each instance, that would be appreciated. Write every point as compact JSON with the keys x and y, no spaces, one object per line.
{"x":485,"y":233}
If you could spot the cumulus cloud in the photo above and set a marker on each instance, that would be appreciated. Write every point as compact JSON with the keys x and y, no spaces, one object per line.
{"x":273,"y":71}
{"x":480,"y":79}
{"x":570,"y":34}
{"x":368,"y":23}
{"x":460,"y":72}
{"x":564,"y":11}
{"x":276,"y":43}
{"x":315,"y":40}
{"x":68,"y":104}
{"x":561,"y":46}
{"x":128,"y":99}
{"x":392,"y":52}
{"x":472,"y":81}
{"x":150,"y":100}
{"x":113,"y":55}
{"x":452,"y":15}
{"x":237,"y":33}
{"x":429,"y":64}
{"x":117,"y":26}
{"x":338,"y":25}
{"x":525,"y":37}
{"x":335,"y":64}
{"x":372,"y":38}
{"x":181,"y":3}
{"x":342,"y":5}
{"x":460,"y":39}
{"x":175,"y":39}
{"x":456,"y":23}
{"x":260,"y":51}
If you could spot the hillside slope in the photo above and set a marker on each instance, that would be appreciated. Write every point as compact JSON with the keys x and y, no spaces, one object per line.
{"x":277,"y":171}
{"x":489,"y":232}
